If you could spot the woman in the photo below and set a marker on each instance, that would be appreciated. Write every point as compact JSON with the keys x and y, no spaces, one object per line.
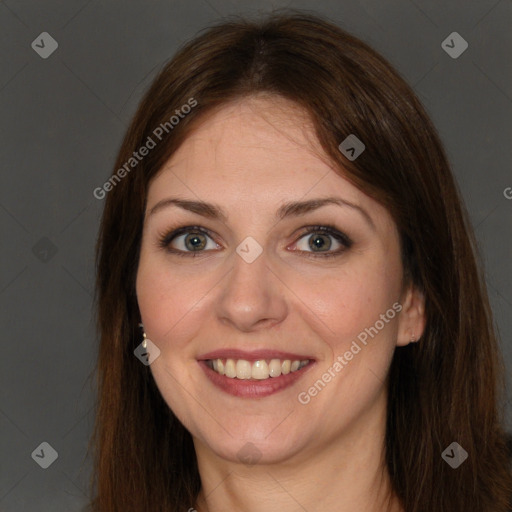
{"x":283,"y":224}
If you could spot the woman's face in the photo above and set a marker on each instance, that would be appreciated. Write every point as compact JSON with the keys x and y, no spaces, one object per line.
{"x":256,"y":276}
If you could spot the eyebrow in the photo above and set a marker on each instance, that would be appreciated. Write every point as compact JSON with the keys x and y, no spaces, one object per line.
{"x":291,"y":209}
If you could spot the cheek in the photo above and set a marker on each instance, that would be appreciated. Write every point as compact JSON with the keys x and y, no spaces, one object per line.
{"x":354,"y":302}
{"x":167,"y":299}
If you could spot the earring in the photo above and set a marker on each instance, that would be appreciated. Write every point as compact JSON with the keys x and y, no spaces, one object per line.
{"x":413,"y":338}
{"x":144,"y":341}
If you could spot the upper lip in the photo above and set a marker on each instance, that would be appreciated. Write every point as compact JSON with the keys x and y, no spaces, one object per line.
{"x":253,"y":355}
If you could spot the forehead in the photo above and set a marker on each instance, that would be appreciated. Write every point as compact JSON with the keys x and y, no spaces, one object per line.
{"x":250,"y":134}
{"x":270,"y":120}
{"x":256,"y":151}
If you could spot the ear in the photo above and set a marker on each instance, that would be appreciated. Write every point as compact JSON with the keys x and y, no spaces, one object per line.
{"x":412,"y":320}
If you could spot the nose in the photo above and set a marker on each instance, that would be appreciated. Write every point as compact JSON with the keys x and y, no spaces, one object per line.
{"x":252,"y":297}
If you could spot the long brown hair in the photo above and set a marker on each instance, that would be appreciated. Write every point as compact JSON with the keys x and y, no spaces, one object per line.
{"x":446,"y":388}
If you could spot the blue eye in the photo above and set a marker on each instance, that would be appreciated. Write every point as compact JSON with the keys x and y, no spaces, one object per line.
{"x":192,"y":239}
{"x":318,"y":241}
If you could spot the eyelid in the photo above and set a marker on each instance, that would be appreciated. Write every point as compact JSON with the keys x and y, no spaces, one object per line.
{"x":165,"y":238}
{"x":169,"y":235}
{"x":330,"y":230}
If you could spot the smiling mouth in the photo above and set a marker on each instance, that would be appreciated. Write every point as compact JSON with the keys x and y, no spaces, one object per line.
{"x":261,"y":369}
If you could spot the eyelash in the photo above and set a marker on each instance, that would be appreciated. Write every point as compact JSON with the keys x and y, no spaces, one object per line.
{"x":166,"y":238}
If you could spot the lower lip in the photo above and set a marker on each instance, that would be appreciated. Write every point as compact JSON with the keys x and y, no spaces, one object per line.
{"x":249,"y":388}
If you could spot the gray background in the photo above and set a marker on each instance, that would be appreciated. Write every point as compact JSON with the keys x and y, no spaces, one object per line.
{"x":62,"y":122}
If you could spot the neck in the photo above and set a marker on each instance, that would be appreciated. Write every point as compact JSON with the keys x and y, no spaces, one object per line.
{"x":343,"y":474}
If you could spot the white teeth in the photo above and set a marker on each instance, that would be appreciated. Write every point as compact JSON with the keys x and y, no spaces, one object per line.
{"x":259,"y":370}
{"x":274,"y":368}
{"x":243,"y":369}
{"x":230,"y":369}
